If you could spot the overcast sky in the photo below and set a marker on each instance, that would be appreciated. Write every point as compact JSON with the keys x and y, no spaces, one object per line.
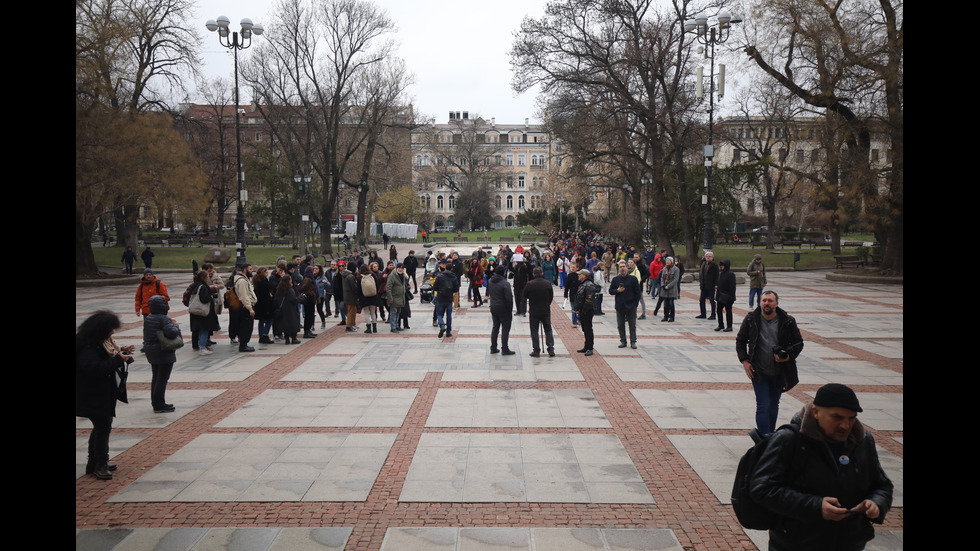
{"x":457,"y":51}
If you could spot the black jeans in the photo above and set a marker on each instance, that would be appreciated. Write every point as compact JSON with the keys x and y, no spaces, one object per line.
{"x":549,"y":338}
{"x":626,"y":317}
{"x":246,"y":324}
{"x":98,"y":440}
{"x":158,"y":384}
{"x":501,"y":323}
{"x":585,"y":321}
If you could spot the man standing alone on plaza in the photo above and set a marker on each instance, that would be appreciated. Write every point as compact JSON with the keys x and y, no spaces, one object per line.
{"x":768,"y":344}
{"x":539,"y":293}
{"x":501,"y":311}
{"x":626,"y":289}
{"x":757,"y":279}
{"x":823,"y":478}
{"x":708,"y":280}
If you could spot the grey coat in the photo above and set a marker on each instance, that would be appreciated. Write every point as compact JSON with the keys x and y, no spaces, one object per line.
{"x":670,"y":277}
{"x":396,"y":290}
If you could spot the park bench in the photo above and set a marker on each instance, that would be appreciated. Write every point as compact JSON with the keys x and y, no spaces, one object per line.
{"x":848,"y":260}
{"x":793,"y":243}
{"x":440,"y":240}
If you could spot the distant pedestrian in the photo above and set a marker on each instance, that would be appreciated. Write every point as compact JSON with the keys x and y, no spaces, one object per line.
{"x":128,"y":257}
{"x":147,"y":257}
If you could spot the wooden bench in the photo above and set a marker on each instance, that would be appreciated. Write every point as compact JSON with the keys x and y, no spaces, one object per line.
{"x":849,"y":260}
{"x":796,"y":244}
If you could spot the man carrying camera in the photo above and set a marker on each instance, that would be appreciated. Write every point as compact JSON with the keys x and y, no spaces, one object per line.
{"x":767,"y":344}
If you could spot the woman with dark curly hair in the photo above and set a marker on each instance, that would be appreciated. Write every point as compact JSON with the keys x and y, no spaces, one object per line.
{"x":97,"y":361}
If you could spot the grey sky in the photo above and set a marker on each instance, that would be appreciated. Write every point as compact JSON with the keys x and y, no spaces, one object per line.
{"x":457,"y":51}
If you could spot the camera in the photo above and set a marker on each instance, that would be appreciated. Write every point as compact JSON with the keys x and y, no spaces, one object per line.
{"x":780,"y":352}
{"x":130,"y":360}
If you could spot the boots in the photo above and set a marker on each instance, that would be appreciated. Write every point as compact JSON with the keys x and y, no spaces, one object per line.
{"x":101,"y":471}
{"x":367,"y":327}
{"x":374,"y":327}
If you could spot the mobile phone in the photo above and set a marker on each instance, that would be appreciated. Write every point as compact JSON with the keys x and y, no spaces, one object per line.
{"x":855,"y":511}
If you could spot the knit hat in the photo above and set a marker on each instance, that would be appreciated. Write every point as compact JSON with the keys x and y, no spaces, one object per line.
{"x":836,"y":395}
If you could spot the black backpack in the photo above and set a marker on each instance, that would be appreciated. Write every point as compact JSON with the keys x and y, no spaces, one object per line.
{"x":751,"y":514}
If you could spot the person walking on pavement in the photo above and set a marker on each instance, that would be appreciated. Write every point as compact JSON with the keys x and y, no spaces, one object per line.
{"x":767,"y":344}
{"x":670,"y":286}
{"x":445,"y":287}
{"x":501,"y":311}
{"x":128,"y":257}
{"x":725,"y":297}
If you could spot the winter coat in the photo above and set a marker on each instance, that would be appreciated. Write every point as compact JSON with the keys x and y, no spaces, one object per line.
{"x":396,"y":290}
{"x":539,"y":292}
{"x":757,"y":275}
{"x":287,"y":311}
{"x":349,"y":285}
{"x":264,"y":309}
{"x":796,"y":471}
{"x":149,"y":287}
{"x":155,"y":321}
{"x":210,"y":321}
{"x":95,"y":381}
{"x":501,"y":295}
{"x":630,"y":296}
{"x":670,"y":278}
{"x":709,"y":275}
{"x":725,"y":294}
{"x":788,"y":336}
{"x":550,"y":273}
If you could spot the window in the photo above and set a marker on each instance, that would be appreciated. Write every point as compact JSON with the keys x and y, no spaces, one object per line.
{"x":439,"y":203}
{"x":258,"y":136}
{"x":510,"y":202}
{"x":510,"y":181}
{"x":452,"y":202}
{"x":498,"y":202}
{"x":799,"y":155}
{"x":497,"y":160}
{"x":737,"y":156}
{"x":875,"y":155}
{"x":520,"y":160}
{"x":510,"y":159}
{"x":520,"y":202}
{"x":520,"y":181}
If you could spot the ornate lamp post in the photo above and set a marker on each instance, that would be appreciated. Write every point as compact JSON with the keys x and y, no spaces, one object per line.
{"x":237,"y":41}
{"x":710,"y":36}
{"x":302,"y":182}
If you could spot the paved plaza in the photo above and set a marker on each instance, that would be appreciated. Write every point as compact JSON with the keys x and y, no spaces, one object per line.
{"x":405,"y":442}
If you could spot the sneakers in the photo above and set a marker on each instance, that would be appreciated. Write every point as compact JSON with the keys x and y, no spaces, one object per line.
{"x":351,"y":329}
{"x":633,"y":345}
{"x":204,"y":352}
{"x":622,"y":344}
{"x":589,"y":352}
{"x":165,"y":408}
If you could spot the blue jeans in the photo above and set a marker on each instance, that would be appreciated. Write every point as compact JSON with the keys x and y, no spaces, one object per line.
{"x":444,"y":313}
{"x":709,"y":295}
{"x":768,"y":389}
{"x":343,"y":311}
{"x":393,"y":314}
{"x":754,"y":292}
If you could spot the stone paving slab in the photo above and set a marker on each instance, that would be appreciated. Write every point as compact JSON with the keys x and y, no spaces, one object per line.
{"x":354,"y":441}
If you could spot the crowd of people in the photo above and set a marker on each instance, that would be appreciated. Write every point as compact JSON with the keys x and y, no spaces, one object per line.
{"x":830,"y":506}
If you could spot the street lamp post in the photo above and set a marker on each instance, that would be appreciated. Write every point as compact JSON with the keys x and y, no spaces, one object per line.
{"x":302,"y":182}
{"x":710,"y":36}
{"x":237,"y":41}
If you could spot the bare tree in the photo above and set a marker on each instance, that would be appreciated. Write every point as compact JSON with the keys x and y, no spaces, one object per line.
{"x":305,"y":77}
{"x":846,"y":58}
{"x":613,"y":75}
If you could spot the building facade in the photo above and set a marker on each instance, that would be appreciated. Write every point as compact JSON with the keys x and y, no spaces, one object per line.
{"x":514,"y":160}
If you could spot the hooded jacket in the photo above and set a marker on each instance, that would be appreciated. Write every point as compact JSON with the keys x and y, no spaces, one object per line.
{"x":795,"y":473}
{"x":158,"y":320}
{"x":150,"y":286}
{"x":725,"y":293}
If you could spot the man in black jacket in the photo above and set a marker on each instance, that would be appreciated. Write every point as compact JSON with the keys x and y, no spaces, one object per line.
{"x":411,"y":264}
{"x":768,"y":344}
{"x":445,"y":287}
{"x":626,"y":289}
{"x":584,"y":306}
{"x":708,"y":280}
{"x":825,"y":482}
{"x":501,"y":310}
{"x":539,"y":293}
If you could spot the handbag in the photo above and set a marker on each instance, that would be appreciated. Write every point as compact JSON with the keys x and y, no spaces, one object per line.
{"x":121,"y":376}
{"x":197,"y":307}
{"x":167,"y":343}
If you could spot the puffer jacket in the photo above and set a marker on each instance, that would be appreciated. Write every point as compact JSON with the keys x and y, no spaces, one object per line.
{"x":157,"y":320}
{"x":797,"y":471}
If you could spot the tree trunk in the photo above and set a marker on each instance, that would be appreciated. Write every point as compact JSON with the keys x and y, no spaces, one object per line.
{"x":84,"y":256}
